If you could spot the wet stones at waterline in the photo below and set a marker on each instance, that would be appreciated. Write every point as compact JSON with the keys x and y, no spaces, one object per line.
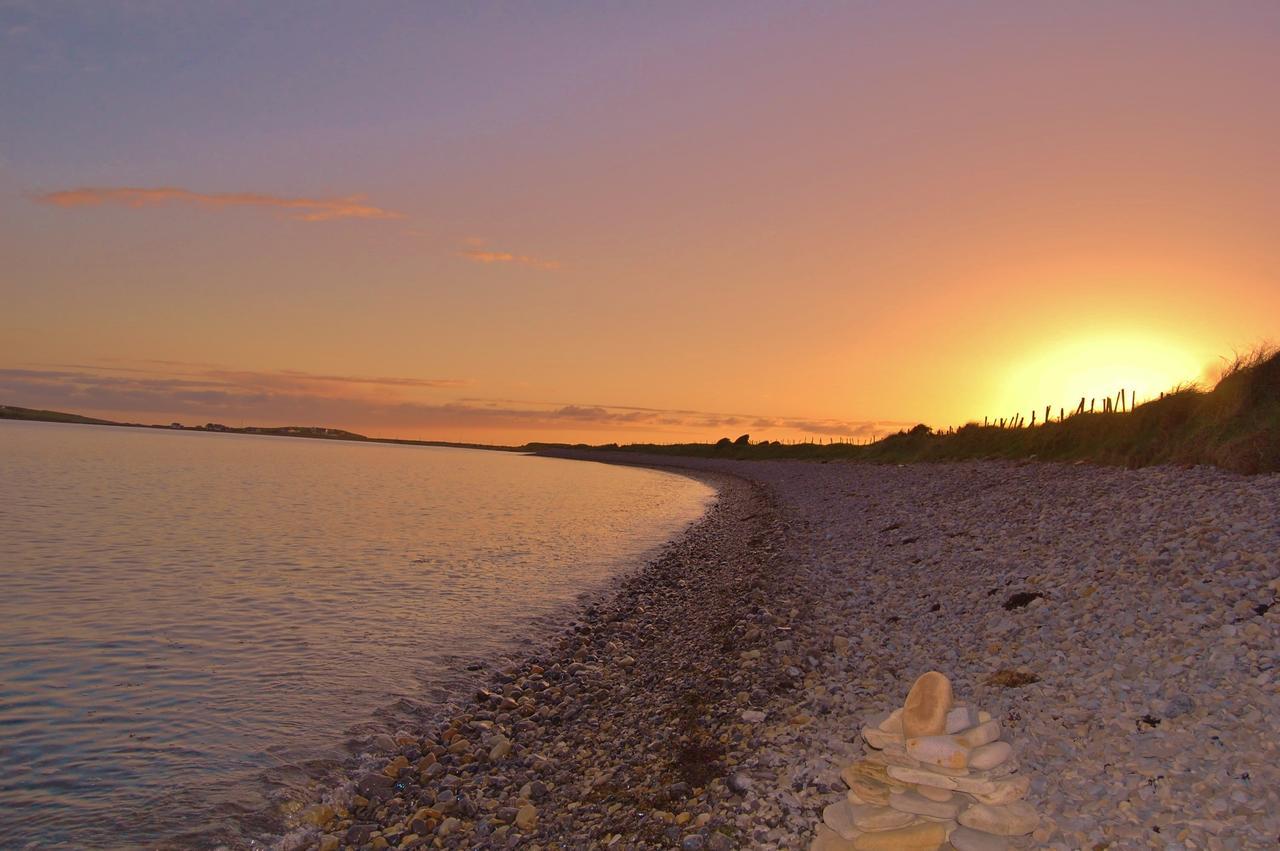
{"x":937,"y":776}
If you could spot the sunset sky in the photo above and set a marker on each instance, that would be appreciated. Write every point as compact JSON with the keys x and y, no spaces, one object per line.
{"x":629,"y":221}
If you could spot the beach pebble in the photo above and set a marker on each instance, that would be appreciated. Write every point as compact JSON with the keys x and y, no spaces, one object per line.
{"x":961,"y":718}
{"x":526,"y":817}
{"x":974,"y":737}
{"x":826,"y":839}
{"x":943,"y":751}
{"x":1013,"y":819}
{"x":875,"y":817}
{"x":935,"y":794}
{"x":967,"y":839}
{"x":917,"y":837}
{"x":840,"y":818}
{"x":990,"y":755}
{"x":914,"y":802}
{"x":927,"y":705}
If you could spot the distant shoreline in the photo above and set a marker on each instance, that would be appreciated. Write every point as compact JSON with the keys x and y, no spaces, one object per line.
{"x":12,"y":412}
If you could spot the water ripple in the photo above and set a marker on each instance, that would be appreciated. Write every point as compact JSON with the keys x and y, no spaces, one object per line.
{"x":193,"y":622}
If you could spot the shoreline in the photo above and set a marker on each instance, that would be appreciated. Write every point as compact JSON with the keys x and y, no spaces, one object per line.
{"x":712,"y":701}
{"x":564,"y":696}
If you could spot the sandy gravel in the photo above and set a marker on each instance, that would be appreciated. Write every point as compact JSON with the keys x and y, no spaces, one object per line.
{"x":716,"y":699}
{"x":1155,"y":721}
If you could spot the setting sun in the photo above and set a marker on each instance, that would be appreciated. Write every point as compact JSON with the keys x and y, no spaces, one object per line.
{"x":1090,"y":368}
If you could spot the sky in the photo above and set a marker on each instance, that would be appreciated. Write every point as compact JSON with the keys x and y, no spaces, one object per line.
{"x":612,"y":221}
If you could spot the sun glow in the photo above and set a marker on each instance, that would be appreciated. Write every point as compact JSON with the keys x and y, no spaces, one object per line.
{"x":1061,"y":375}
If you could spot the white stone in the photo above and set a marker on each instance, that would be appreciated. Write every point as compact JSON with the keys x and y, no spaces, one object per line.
{"x":873,"y":817}
{"x":879,"y":739}
{"x":961,"y":718}
{"x":1013,"y":819}
{"x":1004,"y":790}
{"x":938,"y":750}
{"x":826,"y":839}
{"x":839,"y":817}
{"x":917,"y":804}
{"x":982,"y":734}
{"x":990,"y":755}
{"x":933,"y":793}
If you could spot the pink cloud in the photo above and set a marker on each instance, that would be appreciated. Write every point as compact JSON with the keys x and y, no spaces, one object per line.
{"x":301,"y":209}
{"x":476,"y":252}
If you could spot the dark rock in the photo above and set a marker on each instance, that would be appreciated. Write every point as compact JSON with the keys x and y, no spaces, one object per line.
{"x":359,"y":834}
{"x":678,"y":791}
{"x":719,"y":842}
{"x":1006,"y":678}
{"x":1022,"y":598}
{"x":374,"y":785}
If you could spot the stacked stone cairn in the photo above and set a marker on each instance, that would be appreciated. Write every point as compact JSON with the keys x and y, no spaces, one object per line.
{"x":937,"y":777}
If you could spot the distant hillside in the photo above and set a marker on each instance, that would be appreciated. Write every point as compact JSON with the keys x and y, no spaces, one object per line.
{"x":1236,"y":425}
{"x":9,"y":412}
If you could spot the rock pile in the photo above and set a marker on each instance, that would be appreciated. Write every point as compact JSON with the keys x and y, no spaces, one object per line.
{"x":938,"y":777}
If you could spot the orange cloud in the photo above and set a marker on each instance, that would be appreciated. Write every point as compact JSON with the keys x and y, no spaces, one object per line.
{"x":301,"y":209}
{"x":477,"y":253}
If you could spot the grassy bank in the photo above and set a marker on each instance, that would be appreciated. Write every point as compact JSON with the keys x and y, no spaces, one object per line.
{"x":1236,"y":425}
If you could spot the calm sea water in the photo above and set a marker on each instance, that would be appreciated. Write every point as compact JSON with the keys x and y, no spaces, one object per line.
{"x":193,"y":625}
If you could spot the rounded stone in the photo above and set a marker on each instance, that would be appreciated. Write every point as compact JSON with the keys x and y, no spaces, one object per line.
{"x":933,"y":793}
{"x":917,"y":837}
{"x":968,"y":839}
{"x":928,"y":702}
{"x":990,"y":755}
{"x":1013,"y":819}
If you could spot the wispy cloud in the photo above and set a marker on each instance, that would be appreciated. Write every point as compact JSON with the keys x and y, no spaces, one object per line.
{"x":183,"y":376}
{"x":387,"y":405}
{"x":477,"y":252}
{"x":301,"y":209}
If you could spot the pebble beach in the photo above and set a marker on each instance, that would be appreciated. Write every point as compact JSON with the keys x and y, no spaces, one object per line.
{"x":1121,"y":624}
